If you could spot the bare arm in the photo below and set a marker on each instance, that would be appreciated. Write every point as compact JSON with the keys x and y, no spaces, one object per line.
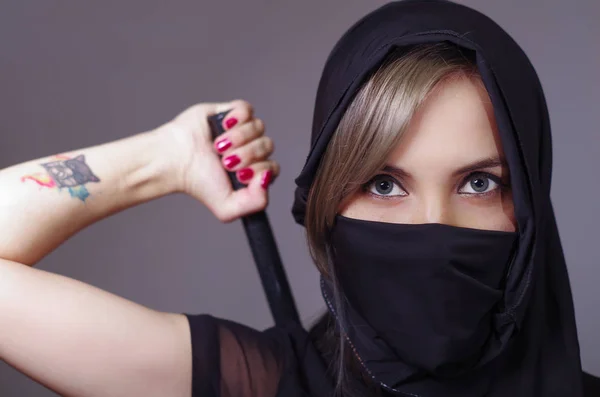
{"x":45,"y":201}
{"x":77,"y":339}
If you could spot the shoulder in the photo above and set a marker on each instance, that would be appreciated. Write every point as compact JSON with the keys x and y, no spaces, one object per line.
{"x":278,"y":361}
{"x":217,"y":332}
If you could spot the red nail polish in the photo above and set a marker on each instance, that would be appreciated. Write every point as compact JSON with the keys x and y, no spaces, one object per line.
{"x":245,"y":173}
{"x":266,"y":179}
{"x":231,"y":161}
{"x":231,"y":122}
{"x":223,"y":145}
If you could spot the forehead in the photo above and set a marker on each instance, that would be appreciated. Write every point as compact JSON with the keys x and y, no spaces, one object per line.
{"x":455,"y":124}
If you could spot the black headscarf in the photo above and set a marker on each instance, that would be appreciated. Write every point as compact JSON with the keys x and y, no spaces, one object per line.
{"x":541,"y":352}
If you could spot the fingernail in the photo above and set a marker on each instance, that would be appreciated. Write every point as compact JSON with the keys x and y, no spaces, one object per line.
{"x":231,"y":122}
{"x":231,"y":161}
{"x":266,"y":179}
{"x":223,"y":145}
{"x":245,"y":173}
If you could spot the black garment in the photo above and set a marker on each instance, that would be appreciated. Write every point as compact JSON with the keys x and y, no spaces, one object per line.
{"x":232,"y":360}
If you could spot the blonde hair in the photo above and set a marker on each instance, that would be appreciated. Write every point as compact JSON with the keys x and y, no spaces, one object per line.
{"x":370,"y":129}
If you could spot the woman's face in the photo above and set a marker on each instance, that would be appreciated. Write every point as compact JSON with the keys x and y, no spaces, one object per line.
{"x":448,"y":168}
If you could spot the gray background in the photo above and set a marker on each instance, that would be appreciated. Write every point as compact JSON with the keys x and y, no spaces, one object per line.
{"x":74,"y":74}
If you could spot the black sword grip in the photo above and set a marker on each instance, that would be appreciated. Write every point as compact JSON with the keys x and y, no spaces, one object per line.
{"x":264,"y":250}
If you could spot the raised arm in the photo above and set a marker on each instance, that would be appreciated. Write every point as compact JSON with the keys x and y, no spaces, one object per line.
{"x":77,"y":339}
{"x":43,"y":202}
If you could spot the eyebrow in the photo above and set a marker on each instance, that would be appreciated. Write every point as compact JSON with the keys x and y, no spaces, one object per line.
{"x":490,"y":162}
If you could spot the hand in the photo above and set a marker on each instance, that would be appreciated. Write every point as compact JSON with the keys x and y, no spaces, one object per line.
{"x":201,"y":172}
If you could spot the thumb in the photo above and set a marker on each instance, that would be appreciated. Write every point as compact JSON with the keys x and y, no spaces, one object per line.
{"x":238,"y":106}
{"x":240,"y":109}
{"x":248,"y":200}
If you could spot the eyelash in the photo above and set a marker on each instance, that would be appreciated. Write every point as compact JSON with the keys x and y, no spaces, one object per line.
{"x":500,"y":185}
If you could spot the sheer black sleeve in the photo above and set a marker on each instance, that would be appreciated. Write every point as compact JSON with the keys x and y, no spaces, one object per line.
{"x":230,"y":359}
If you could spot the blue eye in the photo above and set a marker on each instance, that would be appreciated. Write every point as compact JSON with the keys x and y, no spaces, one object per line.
{"x":384,"y":185}
{"x":479,"y":184}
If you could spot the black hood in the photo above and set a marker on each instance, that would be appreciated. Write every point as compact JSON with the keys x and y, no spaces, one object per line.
{"x":536,"y":323}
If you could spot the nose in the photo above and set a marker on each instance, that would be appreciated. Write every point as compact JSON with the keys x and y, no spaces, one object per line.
{"x":432,"y":209}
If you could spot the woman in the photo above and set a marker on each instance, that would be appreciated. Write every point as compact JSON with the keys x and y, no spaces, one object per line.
{"x":425,"y":197}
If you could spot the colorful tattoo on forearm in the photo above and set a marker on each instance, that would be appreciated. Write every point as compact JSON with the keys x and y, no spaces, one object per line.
{"x":69,"y":173}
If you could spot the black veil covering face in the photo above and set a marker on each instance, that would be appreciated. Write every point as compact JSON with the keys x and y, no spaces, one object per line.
{"x":538,"y":353}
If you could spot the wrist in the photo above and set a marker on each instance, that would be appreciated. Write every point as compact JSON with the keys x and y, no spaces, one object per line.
{"x":169,"y":159}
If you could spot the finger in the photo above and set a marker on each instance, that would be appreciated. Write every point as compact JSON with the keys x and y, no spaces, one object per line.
{"x":251,"y":199}
{"x":247,"y":174}
{"x":240,"y":111}
{"x":257,"y":150}
{"x":239,"y":135}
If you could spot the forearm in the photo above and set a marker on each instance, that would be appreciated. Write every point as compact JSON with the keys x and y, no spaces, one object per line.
{"x":45,"y":201}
